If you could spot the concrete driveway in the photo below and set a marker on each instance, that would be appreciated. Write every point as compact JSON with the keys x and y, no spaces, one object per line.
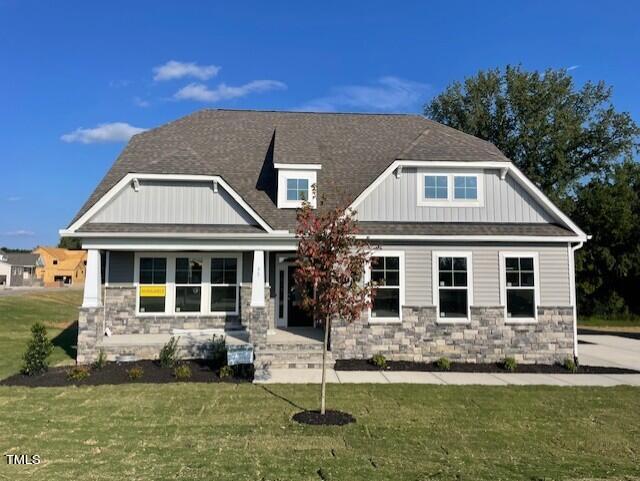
{"x":607,"y":350}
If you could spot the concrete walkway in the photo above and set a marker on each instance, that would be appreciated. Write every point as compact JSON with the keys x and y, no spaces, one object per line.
{"x":313,"y":376}
{"x":607,"y":350}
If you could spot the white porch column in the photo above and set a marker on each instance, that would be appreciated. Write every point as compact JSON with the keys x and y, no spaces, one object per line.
{"x":257,"y":281}
{"x":92,"y":285}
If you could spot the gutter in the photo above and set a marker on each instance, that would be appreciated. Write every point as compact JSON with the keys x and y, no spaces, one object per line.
{"x":572,"y":286}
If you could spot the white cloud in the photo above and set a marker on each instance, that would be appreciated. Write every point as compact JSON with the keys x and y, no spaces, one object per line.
{"x":202,"y":93}
{"x":113,"y":132}
{"x":14,"y":198}
{"x":140,"y":102}
{"x":573,"y":67}
{"x":175,"y":70}
{"x":388,"y":94}
{"x":20,"y":233}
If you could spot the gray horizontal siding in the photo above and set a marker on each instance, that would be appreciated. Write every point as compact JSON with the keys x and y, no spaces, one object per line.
{"x":163,"y":202}
{"x":396,"y":200}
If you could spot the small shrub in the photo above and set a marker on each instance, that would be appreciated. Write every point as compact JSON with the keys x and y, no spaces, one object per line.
{"x":101,"y":361}
{"x":38,"y":351}
{"x":510,"y":364}
{"x":169,"y":353}
{"x":225,"y":372}
{"x":78,"y":373}
{"x":182,"y":372}
{"x":218,"y":351}
{"x":135,"y":373}
{"x":379,"y":361}
{"x":570,"y":365}
{"x":443,"y":364}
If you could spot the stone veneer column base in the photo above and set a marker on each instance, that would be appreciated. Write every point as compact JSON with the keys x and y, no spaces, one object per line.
{"x":90,"y":332}
{"x":485,"y":338}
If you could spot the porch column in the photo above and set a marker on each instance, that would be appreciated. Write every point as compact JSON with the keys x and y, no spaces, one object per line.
{"x":92,"y":287}
{"x":257,"y":281}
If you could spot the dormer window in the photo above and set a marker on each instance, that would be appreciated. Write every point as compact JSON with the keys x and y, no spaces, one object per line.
{"x":295,"y":184}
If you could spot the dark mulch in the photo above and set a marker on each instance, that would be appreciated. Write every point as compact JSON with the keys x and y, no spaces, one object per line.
{"x":116,"y":373}
{"x":330,"y":418}
{"x":598,"y":332}
{"x":365,"y":365}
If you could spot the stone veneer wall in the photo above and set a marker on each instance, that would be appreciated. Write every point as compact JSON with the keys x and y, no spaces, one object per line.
{"x":485,"y":339}
{"x":90,"y":332}
{"x":256,"y":320}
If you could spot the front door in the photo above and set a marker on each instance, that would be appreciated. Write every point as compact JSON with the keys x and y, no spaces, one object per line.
{"x":296,"y":316}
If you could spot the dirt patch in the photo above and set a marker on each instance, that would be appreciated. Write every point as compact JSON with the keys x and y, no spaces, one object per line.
{"x":117,"y":373}
{"x":365,"y":365}
{"x":330,"y":418}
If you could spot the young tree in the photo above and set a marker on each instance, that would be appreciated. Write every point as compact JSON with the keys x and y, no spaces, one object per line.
{"x":330,"y":267}
{"x":554,"y":132}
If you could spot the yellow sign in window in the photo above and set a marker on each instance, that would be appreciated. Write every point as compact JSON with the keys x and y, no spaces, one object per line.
{"x":153,"y":291}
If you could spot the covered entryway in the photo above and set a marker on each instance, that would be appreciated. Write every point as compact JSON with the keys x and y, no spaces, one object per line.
{"x":288,"y":300}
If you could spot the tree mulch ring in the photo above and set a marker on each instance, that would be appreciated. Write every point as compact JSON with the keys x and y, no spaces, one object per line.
{"x":495,"y":367}
{"x":330,"y":418}
{"x":202,"y":371}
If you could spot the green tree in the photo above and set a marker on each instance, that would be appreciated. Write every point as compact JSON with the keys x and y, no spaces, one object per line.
{"x":39,"y":348}
{"x":72,"y":243}
{"x":608,"y":267}
{"x":557,"y":134}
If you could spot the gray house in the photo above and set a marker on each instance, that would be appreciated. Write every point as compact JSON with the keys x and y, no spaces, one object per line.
{"x":194,"y":225}
{"x":18,"y":269}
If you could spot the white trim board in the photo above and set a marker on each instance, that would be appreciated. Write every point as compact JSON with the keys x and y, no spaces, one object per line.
{"x":130,"y":177}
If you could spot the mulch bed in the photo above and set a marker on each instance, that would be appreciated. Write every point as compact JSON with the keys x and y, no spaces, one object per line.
{"x":116,"y":373}
{"x":366,"y":365}
{"x":330,"y":418}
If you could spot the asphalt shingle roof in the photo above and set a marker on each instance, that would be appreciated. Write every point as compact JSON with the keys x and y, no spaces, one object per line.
{"x":241,"y":147}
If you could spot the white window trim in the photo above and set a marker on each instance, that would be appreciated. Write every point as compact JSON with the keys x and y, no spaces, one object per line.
{"x":283,"y":176}
{"x":367,"y":278}
{"x":435,"y":283}
{"x":503,"y":286}
{"x":170,"y":285}
{"x":451,"y":201}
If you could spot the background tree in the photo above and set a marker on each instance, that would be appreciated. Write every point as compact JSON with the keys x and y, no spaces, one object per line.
{"x":579,"y":150}
{"x":329,"y":271}
{"x":555,"y":133}
{"x":72,"y":243}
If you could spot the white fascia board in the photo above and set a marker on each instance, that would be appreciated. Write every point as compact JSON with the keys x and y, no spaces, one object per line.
{"x":226,"y":245}
{"x":127,"y":179}
{"x":177,"y":235}
{"x":529,"y":186}
{"x":468,"y":238}
{"x":280,"y":165}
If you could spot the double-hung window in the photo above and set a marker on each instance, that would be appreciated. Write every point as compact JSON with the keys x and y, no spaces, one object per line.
{"x":152,"y":290}
{"x":452,"y":277}
{"x":387,"y":272}
{"x":188,"y":283}
{"x":520,"y":286}
{"x":297,"y":189}
{"x":224,"y":284}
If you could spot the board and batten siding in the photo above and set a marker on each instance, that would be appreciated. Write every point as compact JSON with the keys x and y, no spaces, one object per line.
{"x":553,"y":266}
{"x":173,"y":202}
{"x":396,"y":200}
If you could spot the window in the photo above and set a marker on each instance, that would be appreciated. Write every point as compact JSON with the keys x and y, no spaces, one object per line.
{"x":224,"y":284}
{"x":152,"y":279}
{"x":297,"y":189}
{"x":435,"y":187}
{"x":452,"y":279}
{"x":188,"y":283}
{"x":55,"y":262}
{"x":465,"y":187}
{"x":387,"y":272}
{"x":520,"y":286}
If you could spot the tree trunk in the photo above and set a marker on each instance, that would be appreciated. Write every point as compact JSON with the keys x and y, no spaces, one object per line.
{"x":323,"y":388}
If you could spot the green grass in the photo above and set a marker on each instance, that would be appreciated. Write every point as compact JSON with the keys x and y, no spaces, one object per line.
{"x":56,"y":308}
{"x":244,"y":432}
{"x":631,"y":323}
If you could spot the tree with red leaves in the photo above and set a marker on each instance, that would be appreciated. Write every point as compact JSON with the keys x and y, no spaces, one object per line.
{"x":330,"y":266}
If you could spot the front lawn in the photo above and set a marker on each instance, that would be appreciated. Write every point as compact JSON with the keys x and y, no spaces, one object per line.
{"x":56,"y":308}
{"x":245,"y":432}
{"x":623,"y":325}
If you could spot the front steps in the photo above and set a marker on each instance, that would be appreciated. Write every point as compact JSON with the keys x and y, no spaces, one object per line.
{"x":295,"y":348}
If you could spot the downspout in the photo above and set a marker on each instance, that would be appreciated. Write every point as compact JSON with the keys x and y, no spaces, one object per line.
{"x":572,"y":286}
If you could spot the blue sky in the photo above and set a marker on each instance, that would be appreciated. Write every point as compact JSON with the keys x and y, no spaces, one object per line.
{"x":79,"y":77}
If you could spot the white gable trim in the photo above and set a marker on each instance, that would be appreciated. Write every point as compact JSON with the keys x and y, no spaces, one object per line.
{"x":127,"y":179}
{"x":529,"y":186}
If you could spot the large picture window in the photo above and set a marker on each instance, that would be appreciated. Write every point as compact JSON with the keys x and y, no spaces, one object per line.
{"x":520,"y":286}
{"x":224,"y":284}
{"x":386,"y":272}
{"x":188,"y":284}
{"x":152,"y":279}
{"x":452,"y":278}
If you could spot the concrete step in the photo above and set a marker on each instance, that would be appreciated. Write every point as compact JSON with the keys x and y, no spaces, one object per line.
{"x":292,"y":357}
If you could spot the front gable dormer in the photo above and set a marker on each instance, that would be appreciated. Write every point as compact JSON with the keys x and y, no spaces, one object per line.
{"x":295,"y":184}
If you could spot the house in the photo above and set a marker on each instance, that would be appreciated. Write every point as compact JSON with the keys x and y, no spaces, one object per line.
{"x":61,"y":267}
{"x":18,"y":269}
{"x":195,"y":222}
